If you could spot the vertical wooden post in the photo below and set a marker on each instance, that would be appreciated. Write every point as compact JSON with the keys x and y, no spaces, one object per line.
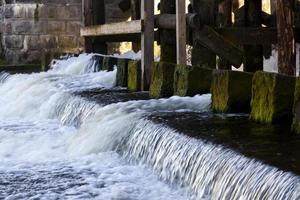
{"x":135,"y":15}
{"x":253,"y":54}
{"x":94,"y":14}
{"x":147,"y":40}
{"x":167,"y":37}
{"x":286,"y":37}
{"x":202,"y":56}
{"x":180,"y":32}
{"x":225,"y":20}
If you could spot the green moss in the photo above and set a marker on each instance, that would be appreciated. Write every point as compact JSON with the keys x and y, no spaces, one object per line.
{"x":134,"y":75}
{"x":189,"y":81}
{"x":231,"y":91}
{"x":122,"y":73}
{"x":272,"y":97}
{"x":296,"y":109}
{"x":109,"y":63}
{"x":162,"y":78}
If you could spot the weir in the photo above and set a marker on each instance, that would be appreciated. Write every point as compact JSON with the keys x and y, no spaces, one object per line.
{"x":71,"y":133}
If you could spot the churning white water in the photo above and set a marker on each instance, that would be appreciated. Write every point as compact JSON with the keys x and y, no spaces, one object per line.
{"x":55,"y":145}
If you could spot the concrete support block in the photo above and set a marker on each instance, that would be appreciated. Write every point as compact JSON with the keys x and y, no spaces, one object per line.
{"x":231,"y":91}
{"x":296,"y":108}
{"x":134,"y":75}
{"x":189,"y":80}
{"x":109,"y":63}
{"x":272,"y":97}
{"x":122,"y":73}
{"x":162,"y":78}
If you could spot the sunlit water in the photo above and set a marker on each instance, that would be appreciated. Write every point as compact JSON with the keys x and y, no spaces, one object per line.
{"x":55,"y":145}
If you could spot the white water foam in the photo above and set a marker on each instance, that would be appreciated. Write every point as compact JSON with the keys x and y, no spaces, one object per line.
{"x":54,"y":145}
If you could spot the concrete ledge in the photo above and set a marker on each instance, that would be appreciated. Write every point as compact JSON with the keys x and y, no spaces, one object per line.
{"x":189,"y":80}
{"x":134,"y":75}
{"x":109,"y":63}
{"x":122,"y":73}
{"x":231,"y":91}
{"x":272,"y":97}
{"x":162,"y":78}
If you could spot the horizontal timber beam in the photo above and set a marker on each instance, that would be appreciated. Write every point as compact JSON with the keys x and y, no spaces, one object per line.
{"x":119,"y":28}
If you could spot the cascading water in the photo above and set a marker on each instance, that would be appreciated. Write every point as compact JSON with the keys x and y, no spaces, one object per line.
{"x":55,"y":145}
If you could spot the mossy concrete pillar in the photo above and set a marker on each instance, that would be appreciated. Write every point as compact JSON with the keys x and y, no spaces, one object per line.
{"x":272,"y":97}
{"x":189,"y":80}
{"x":296,"y":109}
{"x":122,"y":73}
{"x":134,"y":75}
{"x":109,"y":63}
{"x":162,"y":78}
{"x":231,"y":91}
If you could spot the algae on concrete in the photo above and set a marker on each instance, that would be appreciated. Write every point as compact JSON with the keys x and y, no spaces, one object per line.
{"x":189,"y":80}
{"x":162,"y":78}
{"x":231,"y":91}
{"x":134,"y":75}
{"x":296,"y":108}
{"x":272,"y":97}
{"x":109,"y":63}
{"x":122,"y":72}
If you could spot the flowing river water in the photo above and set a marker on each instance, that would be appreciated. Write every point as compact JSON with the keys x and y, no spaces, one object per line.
{"x":55,"y":144}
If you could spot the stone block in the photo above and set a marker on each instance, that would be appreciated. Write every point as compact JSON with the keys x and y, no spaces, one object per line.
{"x":32,"y":42}
{"x":23,"y":27}
{"x":49,"y":41}
{"x":14,"y":41}
{"x":56,"y":27}
{"x":272,"y":97}
{"x":231,"y":91}
{"x":189,"y":80}
{"x":109,"y":63}
{"x":134,"y":75}
{"x":73,"y":27}
{"x":162,"y":78}
{"x":67,"y":42}
{"x":122,"y":73}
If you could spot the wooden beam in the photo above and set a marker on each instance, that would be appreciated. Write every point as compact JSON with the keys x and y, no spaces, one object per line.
{"x":136,"y":15}
{"x":113,"y":29}
{"x":286,"y":37}
{"x":147,"y":41}
{"x":253,"y":53}
{"x":168,"y":49}
{"x":224,"y":20}
{"x":216,"y":43}
{"x":180,"y":32}
{"x":94,"y":14}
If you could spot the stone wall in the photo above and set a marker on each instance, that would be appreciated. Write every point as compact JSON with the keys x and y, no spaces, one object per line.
{"x":31,"y":27}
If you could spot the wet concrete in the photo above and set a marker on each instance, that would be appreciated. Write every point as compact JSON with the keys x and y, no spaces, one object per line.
{"x":272,"y":144}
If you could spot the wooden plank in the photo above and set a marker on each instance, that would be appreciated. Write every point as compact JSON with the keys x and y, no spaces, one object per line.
{"x":136,"y":15}
{"x":147,"y":41}
{"x":202,"y":56}
{"x":113,"y":29}
{"x":224,"y":20}
{"x":216,"y":43}
{"x":180,"y":32}
{"x":286,"y":37}
{"x":90,"y":18}
{"x":168,"y":49}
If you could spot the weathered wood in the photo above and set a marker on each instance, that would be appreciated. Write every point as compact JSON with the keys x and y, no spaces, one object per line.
{"x":224,"y":20}
{"x":216,"y":43}
{"x":127,"y":27}
{"x":202,"y":56}
{"x":147,"y":41}
{"x":168,"y":49}
{"x":286,"y":37}
{"x":168,"y":21}
{"x":180,"y":32}
{"x":94,"y":14}
{"x":253,"y":54}
{"x":136,"y":15}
